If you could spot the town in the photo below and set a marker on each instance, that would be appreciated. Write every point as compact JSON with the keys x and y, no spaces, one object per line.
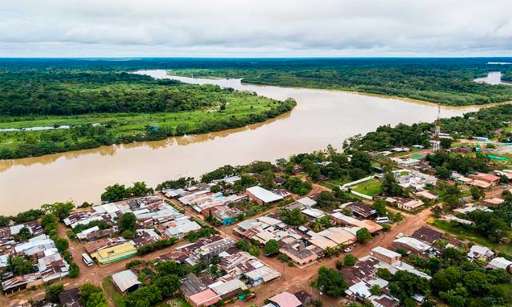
{"x":419,"y":221}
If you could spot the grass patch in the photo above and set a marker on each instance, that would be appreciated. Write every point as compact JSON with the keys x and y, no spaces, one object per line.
{"x":333,"y":183}
{"x":112,"y":293}
{"x":464,"y":234}
{"x":371,"y":187}
{"x":175,"y":302}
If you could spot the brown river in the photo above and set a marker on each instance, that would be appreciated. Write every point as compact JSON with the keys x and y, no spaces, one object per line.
{"x":322,"y":117}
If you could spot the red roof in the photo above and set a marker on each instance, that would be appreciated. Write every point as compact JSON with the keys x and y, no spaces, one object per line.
{"x":286,"y":299}
{"x":204,"y":298}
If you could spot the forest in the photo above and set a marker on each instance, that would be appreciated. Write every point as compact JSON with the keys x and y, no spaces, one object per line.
{"x":92,"y":108}
{"x":445,"y":81}
{"x":483,"y":123}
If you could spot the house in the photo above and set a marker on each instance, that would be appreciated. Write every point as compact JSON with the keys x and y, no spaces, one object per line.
{"x":426,"y":195}
{"x":228,"y":289}
{"x":339,"y":235}
{"x":480,"y":252}
{"x":410,"y":205}
{"x":384,"y":300}
{"x":343,"y":219}
{"x":480,"y":184}
{"x":307,"y":202}
{"x":262,"y":196}
{"x":489,"y":178}
{"x":412,"y":245}
{"x":180,"y":227}
{"x":204,"y":298}
{"x":313,"y":213}
{"x":500,"y":263}
{"x":360,"y":209}
{"x":298,"y":253}
{"x":225,"y":214}
{"x":495,"y":201}
{"x":427,"y":235}
{"x":385,"y":255}
{"x":285,"y":299}
{"x":114,"y":253}
{"x":126,"y":281}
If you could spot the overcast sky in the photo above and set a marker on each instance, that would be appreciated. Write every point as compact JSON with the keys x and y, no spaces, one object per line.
{"x":79,"y":28}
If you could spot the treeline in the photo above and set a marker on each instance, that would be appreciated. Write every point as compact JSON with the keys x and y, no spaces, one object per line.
{"x":484,"y":123}
{"x":76,"y":92}
{"x":88,"y":136}
{"x":446,"y":81}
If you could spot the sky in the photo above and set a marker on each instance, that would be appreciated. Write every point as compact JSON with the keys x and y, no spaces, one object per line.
{"x":259,"y":28}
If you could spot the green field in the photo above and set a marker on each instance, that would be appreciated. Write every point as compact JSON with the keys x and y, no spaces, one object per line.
{"x":371,"y":187}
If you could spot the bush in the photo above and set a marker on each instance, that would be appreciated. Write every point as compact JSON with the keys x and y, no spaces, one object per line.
{"x":151,"y":247}
{"x":52,"y":292}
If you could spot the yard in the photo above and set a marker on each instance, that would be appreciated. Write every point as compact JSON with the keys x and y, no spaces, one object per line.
{"x":111,"y":292}
{"x":463,"y":234}
{"x":371,"y":187}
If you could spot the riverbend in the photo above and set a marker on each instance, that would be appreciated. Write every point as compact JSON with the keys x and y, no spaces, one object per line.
{"x":322,"y":117}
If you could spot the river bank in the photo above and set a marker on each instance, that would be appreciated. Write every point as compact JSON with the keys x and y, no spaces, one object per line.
{"x":322,"y":117}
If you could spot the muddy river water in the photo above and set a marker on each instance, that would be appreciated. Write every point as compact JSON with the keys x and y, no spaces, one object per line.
{"x":322,"y":117}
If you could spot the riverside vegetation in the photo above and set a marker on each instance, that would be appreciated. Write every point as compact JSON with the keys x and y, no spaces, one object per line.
{"x":94,"y":108}
{"x":445,"y":81}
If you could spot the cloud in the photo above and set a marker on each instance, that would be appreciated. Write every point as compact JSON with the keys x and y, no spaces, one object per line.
{"x":254,"y":28}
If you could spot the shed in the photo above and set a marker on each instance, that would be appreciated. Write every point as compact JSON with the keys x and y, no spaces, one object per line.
{"x":126,"y":281}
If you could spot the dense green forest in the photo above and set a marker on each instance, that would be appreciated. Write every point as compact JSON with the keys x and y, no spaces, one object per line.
{"x":450,"y":86}
{"x":104,"y":107}
{"x":483,"y":123}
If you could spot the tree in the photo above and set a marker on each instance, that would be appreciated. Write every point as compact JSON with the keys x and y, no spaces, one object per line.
{"x":443,"y":173}
{"x":330,"y":282}
{"x":4,"y":221}
{"x":375,"y":290}
{"x":380,"y":207}
{"x":127,"y":222}
{"x":60,"y":210}
{"x":476,"y":193}
{"x":292,"y":217}
{"x":297,"y":186}
{"x":24,"y":234}
{"x":144,"y":296}
{"x":53,"y":291}
{"x":271,"y":248}
{"x":114,"y":192}
{"x":139,"y":189}
{"x":363,"y":235}
{"x":92,"y":296}
{"x":168,"y":285}
{"x":390,"y":187}
{"x":349,"y":260}
{"x":18,"y":265}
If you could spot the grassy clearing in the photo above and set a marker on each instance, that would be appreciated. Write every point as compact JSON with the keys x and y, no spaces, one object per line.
{"x":175,"y":302}
{"x":333,"y":183}
{"x":112,"y":293}
{"x":463,"y":234}
{"x":371,"y":187}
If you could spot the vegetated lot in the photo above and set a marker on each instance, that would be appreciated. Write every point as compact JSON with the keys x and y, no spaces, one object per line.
{"x":103,"y":108}
{"x":371,"y":187}
{"x":112,"y":292}
{"x":463,"y":234}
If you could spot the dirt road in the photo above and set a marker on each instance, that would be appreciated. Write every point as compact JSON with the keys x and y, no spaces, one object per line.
{"x":294,"y":279}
